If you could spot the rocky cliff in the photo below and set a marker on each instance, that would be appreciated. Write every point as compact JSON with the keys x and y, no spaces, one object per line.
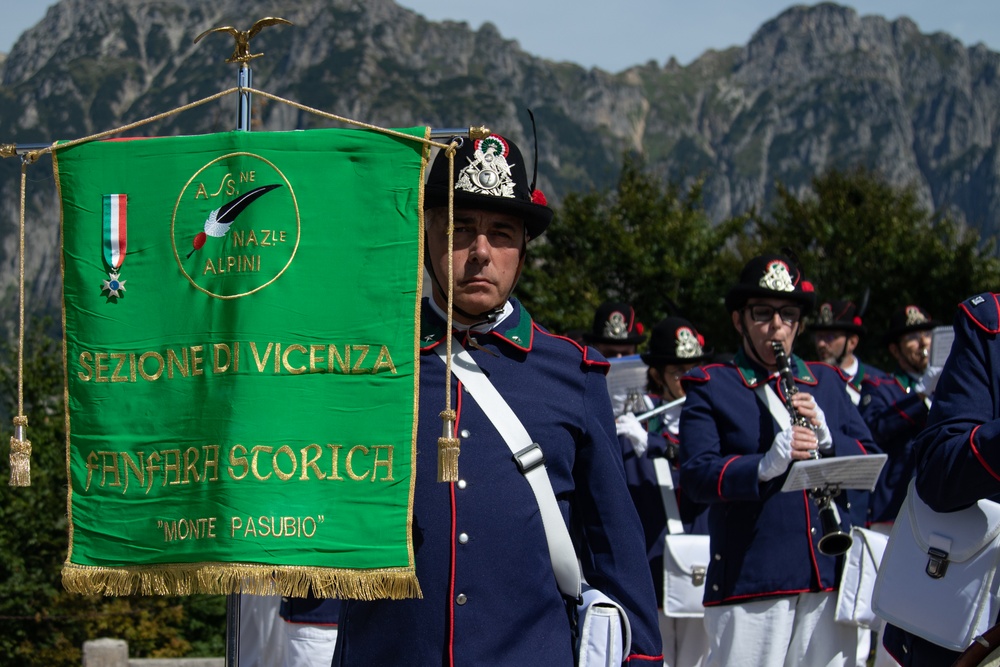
{"x":816,"y":87}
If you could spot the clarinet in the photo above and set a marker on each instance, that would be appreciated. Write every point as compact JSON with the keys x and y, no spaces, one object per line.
{"x":834,"y":541}
{"x":789,"y":388}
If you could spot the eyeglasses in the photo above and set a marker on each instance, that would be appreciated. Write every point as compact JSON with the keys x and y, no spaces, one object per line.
{"x":764,"y":313}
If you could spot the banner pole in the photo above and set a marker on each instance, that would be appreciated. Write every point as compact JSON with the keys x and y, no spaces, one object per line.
{"x":233,"y":600}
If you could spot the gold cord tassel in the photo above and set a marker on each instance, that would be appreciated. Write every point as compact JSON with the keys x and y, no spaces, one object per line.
{"x":20,"y":454}
{"x":448,"y":449}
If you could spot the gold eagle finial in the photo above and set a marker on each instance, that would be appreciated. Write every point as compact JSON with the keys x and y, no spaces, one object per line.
{"x":242,"y":53}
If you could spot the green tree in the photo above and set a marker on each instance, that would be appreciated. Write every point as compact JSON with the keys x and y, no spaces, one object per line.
{"x":42,"y":624}
{"x":854,"y":233}
{"x":644,"y":243}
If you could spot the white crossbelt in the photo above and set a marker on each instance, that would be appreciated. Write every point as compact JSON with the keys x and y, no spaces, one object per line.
{"x":530,"y":461}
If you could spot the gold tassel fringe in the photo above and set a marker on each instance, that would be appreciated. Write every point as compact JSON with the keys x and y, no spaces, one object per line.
{"x":225,"y":578}
{"x":448,"y":448}
{"x":20,"y":454}
{"x":448,"y":459}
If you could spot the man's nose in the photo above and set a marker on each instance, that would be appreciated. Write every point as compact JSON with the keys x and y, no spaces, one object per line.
{"x":480,"y":248}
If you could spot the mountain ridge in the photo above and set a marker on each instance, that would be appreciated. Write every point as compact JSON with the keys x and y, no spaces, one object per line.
{"x":815,"y":87}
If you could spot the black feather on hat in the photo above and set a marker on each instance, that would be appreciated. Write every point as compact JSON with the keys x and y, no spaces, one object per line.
{"x":675,"y":341}
{"x":615,"y":324}
{"x":771,"y":276}
{"x":907,"y":319}
{"x":490,"y":174}
{"x":839,"y":316}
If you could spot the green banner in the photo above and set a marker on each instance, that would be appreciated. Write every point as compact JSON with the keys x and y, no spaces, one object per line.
{"x":241,"y":317}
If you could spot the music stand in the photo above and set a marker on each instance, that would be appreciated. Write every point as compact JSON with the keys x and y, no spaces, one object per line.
{"x":836,"y":472}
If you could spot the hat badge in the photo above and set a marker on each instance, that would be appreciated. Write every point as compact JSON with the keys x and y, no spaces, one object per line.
{"x":914,"y":316}
{"x":616,"y":327}
{"x":488,"y":172}
{"x":825,"y":314}
{"x":777,"y":278}
{"x":687,"y":344}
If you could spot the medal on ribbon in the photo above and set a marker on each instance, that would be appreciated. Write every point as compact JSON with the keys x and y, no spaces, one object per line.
{"x":115,"y":237}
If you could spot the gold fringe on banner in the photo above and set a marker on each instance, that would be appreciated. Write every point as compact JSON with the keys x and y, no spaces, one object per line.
{"x":20,"y":454}
{"x":255,"y":579}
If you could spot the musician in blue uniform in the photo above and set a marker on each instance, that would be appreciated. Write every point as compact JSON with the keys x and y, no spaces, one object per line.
{"x":650,"y":452}
{"x":770,"y":593}
{"x":489,"y":593}
{"x":958,"y":460}
{"x":836,"y":333}
{"x":615,"y":332}
{"x":896,"y":407}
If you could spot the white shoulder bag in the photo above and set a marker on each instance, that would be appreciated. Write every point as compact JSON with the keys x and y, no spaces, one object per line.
{"x":685,"y":557}
{"x":938,"y":575}
{"x":604,"y":633}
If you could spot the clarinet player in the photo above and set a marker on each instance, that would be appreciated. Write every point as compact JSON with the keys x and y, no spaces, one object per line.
{"x":770,"y":592}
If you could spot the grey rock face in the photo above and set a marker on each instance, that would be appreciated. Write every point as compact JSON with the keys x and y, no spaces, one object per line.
{"x":815,"y":87}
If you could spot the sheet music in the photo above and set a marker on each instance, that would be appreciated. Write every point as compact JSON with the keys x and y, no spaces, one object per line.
{"x":941,"y":341}
{"x":626,"y":383}
{"x":847,"y":472}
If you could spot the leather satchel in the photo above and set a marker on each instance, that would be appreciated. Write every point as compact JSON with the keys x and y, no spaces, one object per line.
{"x":938,"y":574}
{"x":685,"y":564}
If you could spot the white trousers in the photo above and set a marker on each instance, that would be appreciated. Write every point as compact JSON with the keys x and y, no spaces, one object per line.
{"x":781,"y":632}
{"x":309,"y":645}
{"x":261,"y":631}
{"x":685,"y":642}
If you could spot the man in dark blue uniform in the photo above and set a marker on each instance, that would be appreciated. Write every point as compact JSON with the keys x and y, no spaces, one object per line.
{"x":895,"y":408}
{"x":836,"y":335}
{"x":615,"y":331}
{"x":958,"y":460}
{"x":489,"y":592}
{"x":770,"y":593}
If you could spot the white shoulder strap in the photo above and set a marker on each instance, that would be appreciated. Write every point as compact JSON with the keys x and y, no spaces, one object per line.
{"x":665,"y":479}
{"x":774,"y":404}
{"x":530,"y":461}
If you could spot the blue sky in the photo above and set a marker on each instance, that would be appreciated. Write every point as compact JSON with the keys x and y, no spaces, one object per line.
{"x":616,"y":35}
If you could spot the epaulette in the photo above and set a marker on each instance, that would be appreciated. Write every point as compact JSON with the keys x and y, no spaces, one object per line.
{"x":700,"y":373}
{"x":587,"y":362}
{"x":840,"y":371}
{"x":984,"y":311}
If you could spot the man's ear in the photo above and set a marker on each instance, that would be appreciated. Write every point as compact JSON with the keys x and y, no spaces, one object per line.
{"x":852,"y":342}
{"x":737,"y":316}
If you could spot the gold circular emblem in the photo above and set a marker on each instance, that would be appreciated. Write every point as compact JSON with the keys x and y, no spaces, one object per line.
{"x":236,"y":226}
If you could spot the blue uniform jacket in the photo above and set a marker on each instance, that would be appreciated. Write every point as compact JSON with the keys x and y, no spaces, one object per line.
{"x":489,"y":593}
{"x":895,"y":414}
{"x":958,"y":460}
{"x":644,"y":488}
{"x":764,"y":541}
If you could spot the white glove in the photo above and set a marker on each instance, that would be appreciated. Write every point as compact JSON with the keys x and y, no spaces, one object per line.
{"x":823,"y":437}
{"x":927,"y":383}
{"x":633,"y":431}
{"x":778,"y":458}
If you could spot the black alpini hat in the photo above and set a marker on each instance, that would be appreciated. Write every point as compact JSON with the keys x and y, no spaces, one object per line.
{"x":771,"y":276}
{"x":615,"y":323}
{"x":489,"y":174}
{"x":907,"y":319}
{"x":675,"y":341}
{"x":838,"y":316}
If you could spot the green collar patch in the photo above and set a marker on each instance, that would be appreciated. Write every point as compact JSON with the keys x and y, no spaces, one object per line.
{"x":753,"y":374}
{"x":516,"y":328}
